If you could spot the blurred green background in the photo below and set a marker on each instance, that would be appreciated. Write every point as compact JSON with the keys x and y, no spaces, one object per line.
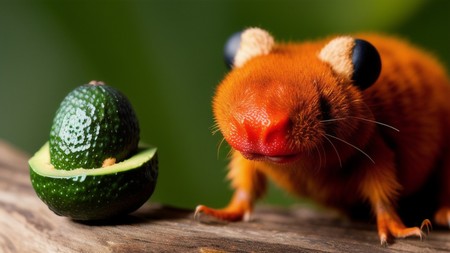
{"x":166,"y":56}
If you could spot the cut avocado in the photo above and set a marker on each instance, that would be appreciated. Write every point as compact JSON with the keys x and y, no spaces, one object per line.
{"x":93,"y":194}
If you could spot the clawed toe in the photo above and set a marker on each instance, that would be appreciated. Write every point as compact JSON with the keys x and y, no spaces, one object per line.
{"x":389,"y":224}
{"x":198,"y":212}
{"x":426,"y":224}
{"x":407,"y":232}
{"x":206,"y":214}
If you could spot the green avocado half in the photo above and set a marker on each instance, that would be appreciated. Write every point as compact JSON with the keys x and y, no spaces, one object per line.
{"x":94,"y":194}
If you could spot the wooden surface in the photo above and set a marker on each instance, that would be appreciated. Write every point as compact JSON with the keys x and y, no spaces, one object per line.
{"x":27,"y":225}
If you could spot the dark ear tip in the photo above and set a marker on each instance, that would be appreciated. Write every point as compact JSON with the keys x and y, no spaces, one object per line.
{"x":366,"y":64}
{"x":231,"y":48}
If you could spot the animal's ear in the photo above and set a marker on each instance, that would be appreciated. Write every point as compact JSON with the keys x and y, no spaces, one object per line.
{"x":245,"y":45}
{"x":355,"y":59}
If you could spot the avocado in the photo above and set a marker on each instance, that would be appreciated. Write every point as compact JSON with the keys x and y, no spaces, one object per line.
{"x":93,"y":167}
{"x":93,"y":194}
{"x":94,"y":126}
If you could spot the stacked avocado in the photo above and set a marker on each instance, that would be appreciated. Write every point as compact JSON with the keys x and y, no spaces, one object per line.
{"x":93,"y":166}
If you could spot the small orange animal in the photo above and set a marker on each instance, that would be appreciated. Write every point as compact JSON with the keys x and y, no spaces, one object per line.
{"x":351,"y":122}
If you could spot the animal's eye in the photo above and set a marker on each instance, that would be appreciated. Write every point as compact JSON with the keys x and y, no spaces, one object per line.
{"x":366,"y":64}
{"x":355,"y":59}
{"x":231,"y":48}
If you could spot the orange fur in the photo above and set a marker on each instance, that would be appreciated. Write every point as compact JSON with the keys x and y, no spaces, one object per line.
{"x":291,"y":84}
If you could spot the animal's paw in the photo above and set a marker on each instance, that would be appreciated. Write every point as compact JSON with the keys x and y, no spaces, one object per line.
{"x":389,"y":224}
{"x":204,"y":213}
{"x":239,"y":208}
{"x":398,"y":230}
{"x":442,"y":217}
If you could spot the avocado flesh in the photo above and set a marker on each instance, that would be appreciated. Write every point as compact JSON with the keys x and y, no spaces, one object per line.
{"x":93,"y":194}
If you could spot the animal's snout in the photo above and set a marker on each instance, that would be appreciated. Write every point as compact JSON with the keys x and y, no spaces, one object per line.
{"x":257,"y":132}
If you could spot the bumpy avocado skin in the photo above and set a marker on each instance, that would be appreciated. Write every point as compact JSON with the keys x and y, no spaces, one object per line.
{"x":93,"y":123}
{"x":97,"y":197}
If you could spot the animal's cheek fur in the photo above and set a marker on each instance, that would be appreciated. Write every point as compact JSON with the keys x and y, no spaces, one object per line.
{"x":306,"y":132}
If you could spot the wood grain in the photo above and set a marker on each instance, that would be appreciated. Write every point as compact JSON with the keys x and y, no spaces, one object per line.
{"x":27,"y":225}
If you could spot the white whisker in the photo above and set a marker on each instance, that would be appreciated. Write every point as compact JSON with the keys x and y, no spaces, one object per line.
{"x":324,"y":153}
{"x":214,"y":129}
{"x":332,"y":120}
{"x":363,"y":119}
{"x":376,"y":122}
{"x":219,"y":146}
{"x":320,"y":156}
{"x":230,"y":153}
{"x":335,"y":150}
{"x":351,"y":145}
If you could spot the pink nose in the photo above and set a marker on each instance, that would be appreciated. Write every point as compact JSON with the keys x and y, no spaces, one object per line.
{"x":259,"y":133}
